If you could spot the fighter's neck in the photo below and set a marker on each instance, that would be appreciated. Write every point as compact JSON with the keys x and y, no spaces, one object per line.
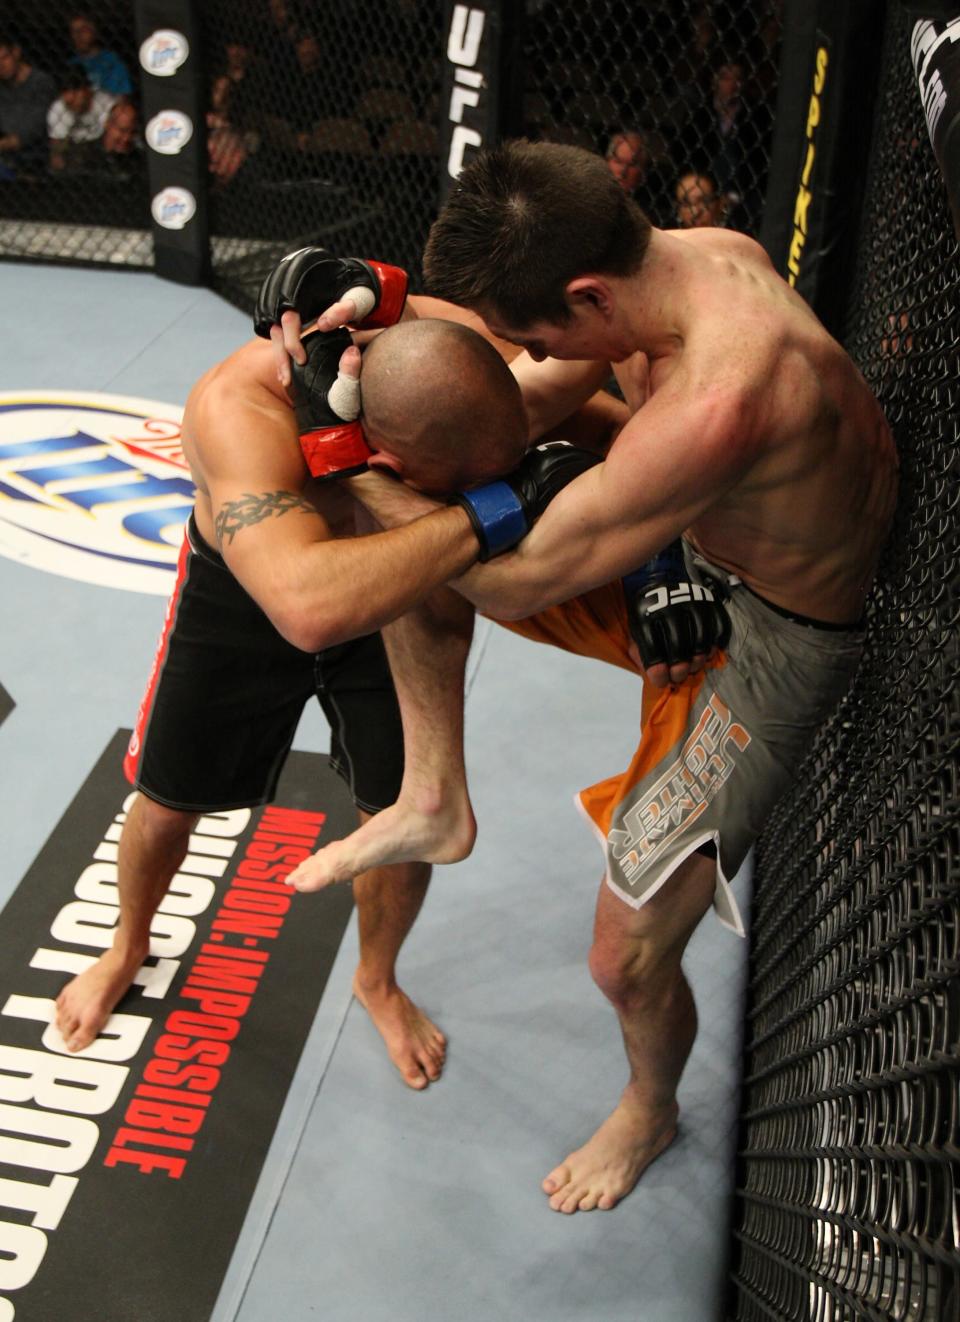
{"x":656,"y":303}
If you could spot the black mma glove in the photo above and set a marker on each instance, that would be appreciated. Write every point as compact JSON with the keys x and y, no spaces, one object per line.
{"x":673,"y":618}
{"x":310,"y":280}
{"x":503,"y":512}
{"x":327,"y":407}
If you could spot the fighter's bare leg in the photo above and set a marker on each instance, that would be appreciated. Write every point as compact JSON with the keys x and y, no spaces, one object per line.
{"x":153,"y":844}
{"x":635,"y":961}
{"x":432,"y":820}
{"x":388,"y":900}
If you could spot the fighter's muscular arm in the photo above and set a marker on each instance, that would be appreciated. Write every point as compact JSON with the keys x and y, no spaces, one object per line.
{"x":674,"y":458}
{"x":317,"y":591}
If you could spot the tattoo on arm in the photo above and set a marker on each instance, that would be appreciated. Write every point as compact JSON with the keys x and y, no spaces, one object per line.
{"x":251,"y":509}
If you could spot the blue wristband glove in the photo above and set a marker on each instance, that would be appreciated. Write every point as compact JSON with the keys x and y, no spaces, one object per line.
{"x":503,"y":512}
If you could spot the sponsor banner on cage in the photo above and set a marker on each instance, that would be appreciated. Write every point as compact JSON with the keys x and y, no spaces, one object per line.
{"x":126,"y":1170}
{"x":93,"y":487}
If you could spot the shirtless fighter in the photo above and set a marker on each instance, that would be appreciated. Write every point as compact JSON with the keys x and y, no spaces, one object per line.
{"x":761,"y":444}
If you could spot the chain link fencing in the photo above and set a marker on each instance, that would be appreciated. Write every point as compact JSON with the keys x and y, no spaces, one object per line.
{"x":847,"y":1205}
{"x":350,"y":158}
{"x":679,"y":97}
{"x":325,"y":128}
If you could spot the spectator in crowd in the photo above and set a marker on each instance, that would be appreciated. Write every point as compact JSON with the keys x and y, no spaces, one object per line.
{"x":274,"y":42}
{"x":307,"y":97}
{"x":233,"y":94}
{"x":728,"y":138}
{"x":691,"y":67}
{"x":25,"y":94}
{"x":629,"y":161}
{"x":76,"y":121}
{"x":105,"y":69}
{"x":700,"y":202}
{"x":231,"y":119}
{"x":121,"y":144}
{"x":226,"y":154}
{"x":763,"y":54}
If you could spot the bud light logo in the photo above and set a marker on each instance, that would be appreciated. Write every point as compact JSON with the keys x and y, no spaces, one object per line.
{"x":163,"y":52}
{"x":93,"y":487}
{"x":169,"y":132}
{"x":173,"y":208}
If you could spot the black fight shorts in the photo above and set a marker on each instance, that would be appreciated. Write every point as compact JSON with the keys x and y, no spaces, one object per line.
{"x":226,"y":693}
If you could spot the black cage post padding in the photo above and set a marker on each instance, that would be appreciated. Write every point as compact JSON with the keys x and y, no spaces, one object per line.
{"x":173,"y":87}
{"x":480,"y":100}
{"x":824,"y":120}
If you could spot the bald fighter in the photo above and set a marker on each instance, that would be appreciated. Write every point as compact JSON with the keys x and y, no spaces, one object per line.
{"x":276,"y":599}
{"x":761,"y":446}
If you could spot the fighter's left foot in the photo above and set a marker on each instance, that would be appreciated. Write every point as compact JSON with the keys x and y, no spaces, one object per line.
{"x":414,"y":1043}
{"x":399,"y":834}
{"x":607,"y":1167}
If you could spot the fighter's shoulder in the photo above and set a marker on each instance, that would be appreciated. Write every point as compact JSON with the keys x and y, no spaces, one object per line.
{"x":237,"y":413}
{"x":713,"y":240}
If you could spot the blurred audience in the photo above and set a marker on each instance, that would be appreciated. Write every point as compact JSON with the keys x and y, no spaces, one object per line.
{"x":25,"y":95}
{"x":286,"y":91}
{"x":627,"y":159}
{"x":632,"y":163}
{"x":105,"y":69}
{"x":234,"y":91}
{"x":289,"y":119}
{"x":729,"y":138}
{"x":121,"y":146}
{"x":226,"y":155}
{"x":76,"y":121}
{"x":700,"y":203}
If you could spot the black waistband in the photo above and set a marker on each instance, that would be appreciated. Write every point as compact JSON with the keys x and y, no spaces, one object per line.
{"x":806,"y":620}
{"x":200,"y":546}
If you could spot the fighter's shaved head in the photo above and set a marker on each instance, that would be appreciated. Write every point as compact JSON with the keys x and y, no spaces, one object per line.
{"x":440,"y":398}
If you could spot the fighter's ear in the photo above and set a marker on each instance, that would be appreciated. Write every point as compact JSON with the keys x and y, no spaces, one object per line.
{"x":384,"y":459}
{"x":590,"y":291}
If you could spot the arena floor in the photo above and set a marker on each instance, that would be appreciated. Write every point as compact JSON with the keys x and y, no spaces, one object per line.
{"x":376,"y":1204}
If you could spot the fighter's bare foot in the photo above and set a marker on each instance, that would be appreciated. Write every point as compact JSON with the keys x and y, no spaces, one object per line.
{"x":607,"y":1167}
{"x":414,"y":1043}
{"x":87,"y":1001}
{"x":441,"y":833}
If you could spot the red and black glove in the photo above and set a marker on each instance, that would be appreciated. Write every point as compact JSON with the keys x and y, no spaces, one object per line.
{"x":311,"y":280}
{"x":327,"y":406}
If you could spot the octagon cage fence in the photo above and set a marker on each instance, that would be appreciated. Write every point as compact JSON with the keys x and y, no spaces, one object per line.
{"x":846,"y":1203}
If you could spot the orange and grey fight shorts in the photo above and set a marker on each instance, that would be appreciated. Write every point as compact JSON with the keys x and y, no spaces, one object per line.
{"x":716,"y":752}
